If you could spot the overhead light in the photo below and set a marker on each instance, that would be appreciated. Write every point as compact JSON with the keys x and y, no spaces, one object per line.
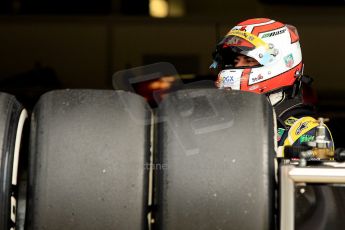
{"x":159,"y":8}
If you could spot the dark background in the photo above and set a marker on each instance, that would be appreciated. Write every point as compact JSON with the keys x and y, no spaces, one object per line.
{"x":49,"y":44}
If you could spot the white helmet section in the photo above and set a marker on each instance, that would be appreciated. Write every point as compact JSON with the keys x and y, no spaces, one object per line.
{"x":230,"y":79}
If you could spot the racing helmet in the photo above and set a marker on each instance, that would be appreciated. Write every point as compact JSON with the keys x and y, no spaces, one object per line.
{"x":274,"y":45}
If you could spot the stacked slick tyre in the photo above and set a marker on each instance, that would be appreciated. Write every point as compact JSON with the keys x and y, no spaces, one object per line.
{"x":12,"y":119}
{"x":87,"y":156}
{"x":217,"y":148}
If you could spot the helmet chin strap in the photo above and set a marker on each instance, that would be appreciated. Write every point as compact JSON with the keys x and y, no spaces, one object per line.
{"x":275,"y":98}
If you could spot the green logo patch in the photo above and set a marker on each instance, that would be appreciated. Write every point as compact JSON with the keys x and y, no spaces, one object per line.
{"x":306,"y":138}
{"x":280,"y":133}
{"x":289,"y":60}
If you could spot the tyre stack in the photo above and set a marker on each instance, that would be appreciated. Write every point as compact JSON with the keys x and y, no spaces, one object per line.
{"x":211,"y":155}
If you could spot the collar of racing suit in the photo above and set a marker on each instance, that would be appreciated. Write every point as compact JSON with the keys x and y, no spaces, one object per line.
{"x":292,"y":107}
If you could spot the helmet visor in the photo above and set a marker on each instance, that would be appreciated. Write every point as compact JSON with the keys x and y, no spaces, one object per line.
{"x":242,"y":42}
{"x":237,"y":42}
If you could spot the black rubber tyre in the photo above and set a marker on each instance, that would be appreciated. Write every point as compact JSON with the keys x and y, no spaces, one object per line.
{"x":11,"y":113}
{"x":216,"y":152}
{"x":87,"y":161}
